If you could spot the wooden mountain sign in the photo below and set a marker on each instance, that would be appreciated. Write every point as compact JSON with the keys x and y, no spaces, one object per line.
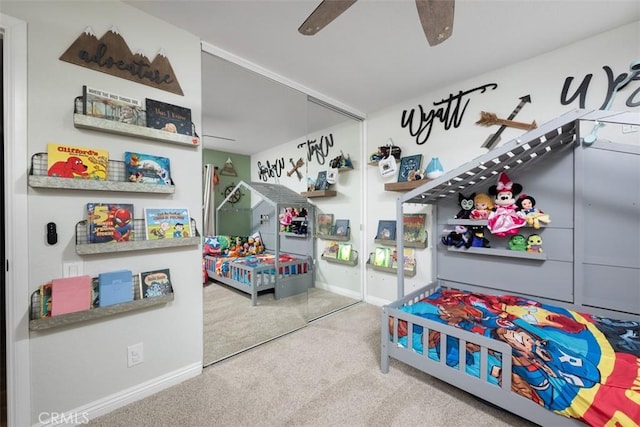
{"x":110,"y":54}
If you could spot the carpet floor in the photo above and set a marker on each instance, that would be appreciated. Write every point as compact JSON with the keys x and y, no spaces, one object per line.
{"x":326,"y":374}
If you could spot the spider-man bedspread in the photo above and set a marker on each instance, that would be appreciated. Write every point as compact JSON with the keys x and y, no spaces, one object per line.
{"x":578,"y":365}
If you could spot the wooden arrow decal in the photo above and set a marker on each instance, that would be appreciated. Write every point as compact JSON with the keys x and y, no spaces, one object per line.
{"x":489,"y":119}
{"x":297,"y":165}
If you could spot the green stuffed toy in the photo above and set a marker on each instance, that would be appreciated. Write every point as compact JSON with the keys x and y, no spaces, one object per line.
{"x":518,"y":243}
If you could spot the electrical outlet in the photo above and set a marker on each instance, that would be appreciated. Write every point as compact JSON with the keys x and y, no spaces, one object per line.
{"x":72,"y":269}
{"x":135,"y":355}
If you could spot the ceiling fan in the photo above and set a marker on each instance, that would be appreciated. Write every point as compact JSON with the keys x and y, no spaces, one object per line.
{"x":436,"y":17}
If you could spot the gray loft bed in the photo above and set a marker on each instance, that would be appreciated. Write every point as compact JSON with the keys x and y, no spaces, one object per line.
{"x":584,"y":267}
{"x":286,"y":278}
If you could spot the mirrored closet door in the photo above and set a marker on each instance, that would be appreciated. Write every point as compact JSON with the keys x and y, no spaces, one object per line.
{"x":251,"y":122}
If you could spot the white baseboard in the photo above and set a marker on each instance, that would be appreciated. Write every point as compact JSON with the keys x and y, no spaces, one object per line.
{"x":338,"y":290}
{"x":103,"y":406}
{"x":376,"y":301}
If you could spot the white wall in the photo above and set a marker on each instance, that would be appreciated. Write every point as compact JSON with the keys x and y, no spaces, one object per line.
{"x":341,"y":279}
{"x":83,"y":368}
{"x":541,"y":77}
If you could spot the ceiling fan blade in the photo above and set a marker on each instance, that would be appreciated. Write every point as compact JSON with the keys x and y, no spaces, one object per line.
{"x":436,"y":17}
{"x":323,"y":15}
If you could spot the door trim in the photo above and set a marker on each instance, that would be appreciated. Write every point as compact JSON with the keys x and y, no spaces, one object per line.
{"x":16,"y":221}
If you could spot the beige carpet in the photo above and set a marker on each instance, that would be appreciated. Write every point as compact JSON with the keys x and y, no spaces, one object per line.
{"x":232,"y":324}
{"x":327,"y":374}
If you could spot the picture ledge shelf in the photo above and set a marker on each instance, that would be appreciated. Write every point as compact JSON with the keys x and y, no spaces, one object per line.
{"x":404,"y":186}
{"x":319,"y":193}
{"x":416,"y":245}
{"x":500,"y":252}
{"x":82,"y":121}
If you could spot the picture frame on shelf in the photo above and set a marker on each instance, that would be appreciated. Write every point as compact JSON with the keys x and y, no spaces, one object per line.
{"x":168,"y":117}
{"x":408,"y":164}
{"x":386,"y":230}
{"x":321,"y":181}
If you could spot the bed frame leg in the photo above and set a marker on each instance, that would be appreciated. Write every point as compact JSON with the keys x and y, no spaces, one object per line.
{"x":384,"y":355}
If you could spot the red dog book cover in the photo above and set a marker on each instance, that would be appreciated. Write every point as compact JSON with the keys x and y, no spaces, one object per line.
{"x":65,"y":161}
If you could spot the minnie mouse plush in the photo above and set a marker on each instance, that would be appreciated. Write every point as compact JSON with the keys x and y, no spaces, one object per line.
{"x":505,"y":220}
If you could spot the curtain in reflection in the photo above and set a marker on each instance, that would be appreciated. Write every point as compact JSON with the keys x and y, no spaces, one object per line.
{"x":209,"y":200}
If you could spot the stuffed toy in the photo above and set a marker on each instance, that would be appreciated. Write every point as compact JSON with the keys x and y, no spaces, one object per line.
{"x":534,"y":243}
{"x":533,"y":215}
{"x":518,"y":243}
{"x":478,"y":240}
{"x":466,"y":205}
{"x":482,"y":205}
{"x":505,"y":219}
{"x":459,"y":237}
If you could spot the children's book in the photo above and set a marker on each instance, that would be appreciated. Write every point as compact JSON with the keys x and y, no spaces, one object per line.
{"x":344,"y":251}
{"x":331,"y":250}
{"x":70,"y":294}
{"x":414,"y":227}
{"x":409,"y":260}
{"x":168,"y":117}
{"x":341,"y":227}
{"x":321,"y":181}
{"x":386,"y":230}
{"x":167,"y":223}
{"x":382,"y":257}
{"x":324,"y":224}
{"x":407,"y":165}
{"x":155,"y":283}
{"x":45,"y":300}
{"x":111,"y":106}
{"x":66,"y":161}
{"x":115,"y":287}
{"x":109,"y":222}
{"x":147,"y":168}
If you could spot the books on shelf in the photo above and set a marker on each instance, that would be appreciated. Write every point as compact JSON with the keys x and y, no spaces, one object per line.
{"x":409,"y":259}
{"x":386,"y":230}
{"x":111,"y":106}
{"x":147,"y":168}
{"x":167,"y":223}
{"x":341,"y":227}
{"x":109,"y":222}
{"x":414,"y":227}
{"x":70,"y":294}
{"x":344,"y":251}
{"x":409,"y":164}
{"x":168,"y":117}
{"x":66,"y":161}
{"x":155,"y":283}
{"x":115,"y":287}
{"x":324,"y":224}
{"x":321,"y":181}
{"x":331,"y":250}
{"x":45,"y":300}
{"x":382,"y":257}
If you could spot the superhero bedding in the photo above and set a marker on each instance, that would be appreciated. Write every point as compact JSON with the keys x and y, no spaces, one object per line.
{"x":578,"y":365}
{"x":243,"y":263}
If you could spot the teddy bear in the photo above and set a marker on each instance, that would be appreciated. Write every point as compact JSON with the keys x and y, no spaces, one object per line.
{"x":505,"y":219}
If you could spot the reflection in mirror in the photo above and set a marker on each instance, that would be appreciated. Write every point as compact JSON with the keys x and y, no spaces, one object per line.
{"x":333,"y":145}
{"x":243,"y":113}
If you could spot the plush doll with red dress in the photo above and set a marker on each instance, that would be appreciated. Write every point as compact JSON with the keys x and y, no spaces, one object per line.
{"x":505,"y":219}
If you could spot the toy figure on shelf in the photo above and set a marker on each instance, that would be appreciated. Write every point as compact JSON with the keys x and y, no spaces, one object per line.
{"x":534,"y":216}
{"x":482,"y":206}
{"x":458,"y":237}
{"x":518,"y":243}
{"x":466,"y":205}
{"x":505,"y":220}
{"x":478,"y":240}
{"x":534,"y":243}
{"x":285,"y":219}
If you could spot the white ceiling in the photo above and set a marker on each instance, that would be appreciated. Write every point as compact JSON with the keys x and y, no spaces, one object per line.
{"x":372,"y":56}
